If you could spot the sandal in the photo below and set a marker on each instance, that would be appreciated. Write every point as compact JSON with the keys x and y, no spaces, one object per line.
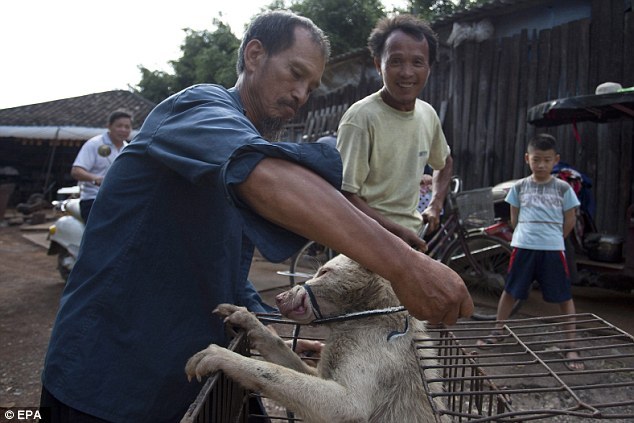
{"x":494,"y":338}
{"x":573,"y":363}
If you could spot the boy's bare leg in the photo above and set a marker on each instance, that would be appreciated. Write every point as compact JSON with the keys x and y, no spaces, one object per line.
{"x":568,"y":308}
{"x":505,"y":307}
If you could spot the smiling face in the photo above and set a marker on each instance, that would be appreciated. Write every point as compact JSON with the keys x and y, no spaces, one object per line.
{"x":119,"y":130}
{"x":404,"y":67}
{"x":274,"y":87}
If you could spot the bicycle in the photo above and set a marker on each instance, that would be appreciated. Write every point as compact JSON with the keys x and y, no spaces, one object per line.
{"x":306,"y":261}
{"x":460,"y":242}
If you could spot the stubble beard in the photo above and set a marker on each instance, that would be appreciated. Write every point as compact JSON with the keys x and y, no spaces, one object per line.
{"x":272,"y":128}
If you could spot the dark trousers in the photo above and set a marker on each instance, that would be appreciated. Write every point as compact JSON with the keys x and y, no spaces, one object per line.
{"x":54,"y":411}
{"x":84,"y":208}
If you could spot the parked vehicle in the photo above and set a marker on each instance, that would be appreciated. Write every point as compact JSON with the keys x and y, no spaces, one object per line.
{"x":66,"y":233}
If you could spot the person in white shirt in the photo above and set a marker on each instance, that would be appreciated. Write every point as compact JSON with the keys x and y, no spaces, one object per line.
{"x":96,"y":156}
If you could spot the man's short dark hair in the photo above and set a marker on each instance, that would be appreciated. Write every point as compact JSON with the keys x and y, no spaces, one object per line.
{"x":542,"y":142}
{"x":409,"y":24}
{"x":276,"y":31}
{"x":118,"y":114}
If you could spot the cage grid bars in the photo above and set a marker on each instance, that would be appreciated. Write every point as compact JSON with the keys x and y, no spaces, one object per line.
{"x":601,"y":330}
{"x":471,"y":384}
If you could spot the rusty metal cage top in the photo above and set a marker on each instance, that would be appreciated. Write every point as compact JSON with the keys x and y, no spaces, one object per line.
{"x":522,"y":378}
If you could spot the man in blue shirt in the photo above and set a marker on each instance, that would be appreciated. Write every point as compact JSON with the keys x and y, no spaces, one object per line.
{"x":176,"y":222}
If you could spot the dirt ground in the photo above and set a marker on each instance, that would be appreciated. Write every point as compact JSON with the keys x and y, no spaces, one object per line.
{"x":30,"y":289}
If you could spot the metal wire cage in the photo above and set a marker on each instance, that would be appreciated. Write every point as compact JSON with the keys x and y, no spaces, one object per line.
{"x":475,"y":207}
{"x":523,"y":378}
{"x":221,"y":399}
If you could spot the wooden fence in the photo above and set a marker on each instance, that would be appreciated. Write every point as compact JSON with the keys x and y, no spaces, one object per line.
{"x":482,"y":91}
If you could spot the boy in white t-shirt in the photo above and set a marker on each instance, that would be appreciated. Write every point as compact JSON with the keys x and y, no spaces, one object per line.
{"x":543,"y":214}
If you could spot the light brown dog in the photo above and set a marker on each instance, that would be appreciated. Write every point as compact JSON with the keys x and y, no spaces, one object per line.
{"x":369,"y":369}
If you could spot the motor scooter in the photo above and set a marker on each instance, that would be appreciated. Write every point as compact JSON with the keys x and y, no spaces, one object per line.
{"x":66,"y":233}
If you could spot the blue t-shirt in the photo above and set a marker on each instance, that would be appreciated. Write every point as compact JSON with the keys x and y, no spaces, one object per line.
{"x":167,"y":242}
{"x":541,"y":206}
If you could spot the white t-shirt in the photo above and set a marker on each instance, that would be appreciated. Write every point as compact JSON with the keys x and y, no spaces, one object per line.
{"x":89,"y":158}
{"x":540,"y":223}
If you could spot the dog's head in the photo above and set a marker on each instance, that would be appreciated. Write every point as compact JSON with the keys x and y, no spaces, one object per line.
{"x":340,"y":286}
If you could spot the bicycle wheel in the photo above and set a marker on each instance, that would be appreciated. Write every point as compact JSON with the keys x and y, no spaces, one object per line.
{"x":486,"y":270}
{"x":305,"y":263}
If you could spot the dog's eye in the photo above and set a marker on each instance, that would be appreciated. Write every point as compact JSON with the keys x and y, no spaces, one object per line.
{"x":321,"y":272}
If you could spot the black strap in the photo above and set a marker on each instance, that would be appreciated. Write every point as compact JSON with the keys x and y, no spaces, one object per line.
{"x":313,"y":301}
{"x":395,"y":333}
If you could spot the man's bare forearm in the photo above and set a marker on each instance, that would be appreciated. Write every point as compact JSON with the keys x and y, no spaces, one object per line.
{"x":300,"y":201}
{"x":441,"y":181}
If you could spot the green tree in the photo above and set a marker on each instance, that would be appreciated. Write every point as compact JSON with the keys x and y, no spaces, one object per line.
{"x":432,"y":9}
{"x":207,"y":57}
{"x":347,"y":23}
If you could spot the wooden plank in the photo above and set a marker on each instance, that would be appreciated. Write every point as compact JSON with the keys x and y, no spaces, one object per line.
{"x":456,"y":106}
{"x":475,"y":162}
{"x":628,"y":49}
{"x":601,"y":48}
{"x":492,"y":129}
{"x":595,"y":30}
{"x":520,"y":137}
{"x":627,"y":136}
{"x":531,"y":91}
{"x":557,"y":79}
{"x":484,"y":142}
{"x":467,"y":88}
{"x":503,"y":78}
{"x":604,"y":143}
{"x":511,"y":108}
{"x":615,"y":60}
{"x":543,"y":71}
{"x":554,"y":65}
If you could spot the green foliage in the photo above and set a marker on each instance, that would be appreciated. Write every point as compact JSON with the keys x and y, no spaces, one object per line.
{"x":347,"y":23}
{"x":207,"y":57}
{"x":210,"y":57}
{"x":155,"y":85}
{"x":433,"y":9}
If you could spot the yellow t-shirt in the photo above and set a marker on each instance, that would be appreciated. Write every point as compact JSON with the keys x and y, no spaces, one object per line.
{"x":384,"y":153}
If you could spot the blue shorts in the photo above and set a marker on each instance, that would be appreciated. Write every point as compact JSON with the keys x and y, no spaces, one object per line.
{"x":548,"y":268}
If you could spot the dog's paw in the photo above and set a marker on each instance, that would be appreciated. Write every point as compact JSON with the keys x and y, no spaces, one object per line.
{"x":225,"y":310}
{"x":238,"y":316}
{"x":204,"y":362}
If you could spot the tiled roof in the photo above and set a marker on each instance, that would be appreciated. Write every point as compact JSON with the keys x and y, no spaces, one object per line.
{"x":90,"y":110}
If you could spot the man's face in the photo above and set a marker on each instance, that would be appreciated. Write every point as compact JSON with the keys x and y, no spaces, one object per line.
{"x":404,"y":67}
{"x":282,"y":83}
{"x":120,"y":130}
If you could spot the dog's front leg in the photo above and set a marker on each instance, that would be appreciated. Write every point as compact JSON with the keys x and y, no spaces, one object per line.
{"x":272,"y":347}
{"x":315,"y":399}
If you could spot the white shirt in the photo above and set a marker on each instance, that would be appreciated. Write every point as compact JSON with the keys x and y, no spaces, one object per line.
{"x":89,"y":159}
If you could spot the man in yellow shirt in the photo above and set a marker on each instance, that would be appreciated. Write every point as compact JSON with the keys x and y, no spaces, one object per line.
{"x":387,"y":138}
